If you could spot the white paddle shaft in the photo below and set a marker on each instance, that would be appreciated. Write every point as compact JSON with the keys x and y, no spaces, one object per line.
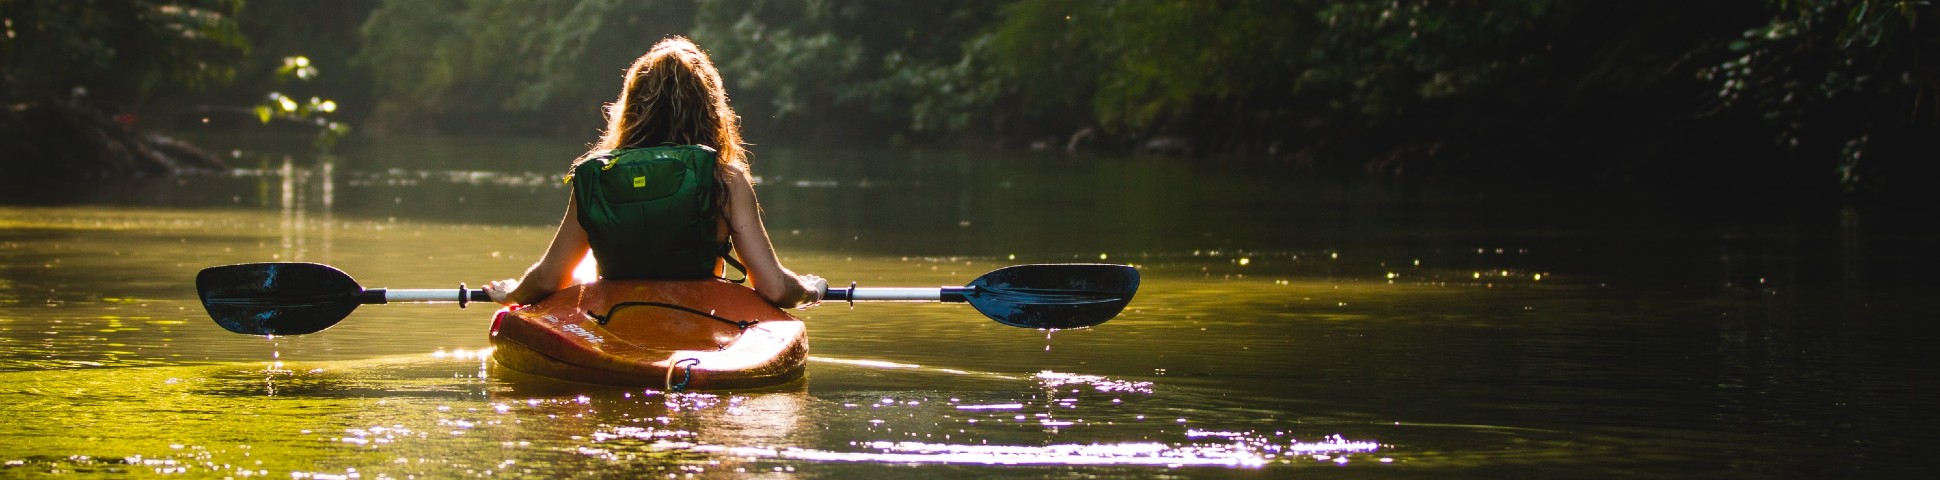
{"x":460,"y":295}
{"x":885,"y":294}
{"x":897,"y":294}
{"x":853,"y":294}
{"x":424,"y":295}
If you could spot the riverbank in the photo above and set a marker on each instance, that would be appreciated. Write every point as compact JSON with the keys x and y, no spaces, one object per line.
{"x":52,"y":141}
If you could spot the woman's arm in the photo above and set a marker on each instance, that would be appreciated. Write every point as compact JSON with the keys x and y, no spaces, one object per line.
{"x":553,"y":271}
{"x":773,"y":282}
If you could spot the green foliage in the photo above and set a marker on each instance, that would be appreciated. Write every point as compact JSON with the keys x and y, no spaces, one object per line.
{"x":1343,"y":81}
{"x":315,"y":111}
{"x":1243,"y":67}
{"x":877,"y":63}
{"x":1389,"y":56}
{"x":1828,"y":75}
{"x":529,"y":64}
{"x":1150,"y":65}
{"x":118,"y":52}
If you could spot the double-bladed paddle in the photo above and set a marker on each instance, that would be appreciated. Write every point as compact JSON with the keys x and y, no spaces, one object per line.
{"x":300,"y":298}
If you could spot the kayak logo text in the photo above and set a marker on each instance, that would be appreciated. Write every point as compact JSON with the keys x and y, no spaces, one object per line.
{"x":582,"y":333}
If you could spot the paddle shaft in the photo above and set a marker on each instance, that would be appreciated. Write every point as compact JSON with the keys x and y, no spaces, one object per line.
{"x":424,"y":295}
{"x":850,"y":294}
{"x":933,"y":294}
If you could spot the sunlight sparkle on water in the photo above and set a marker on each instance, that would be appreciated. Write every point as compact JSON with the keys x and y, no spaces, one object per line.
{"x":1148,"y":454}
{"x":349,"y":473}
{"x":1052,"y":379}
{"x":1001,"y":406}
{"x":642,"y":433}
{"x":463,"y":354}
{"x":865,"y":363}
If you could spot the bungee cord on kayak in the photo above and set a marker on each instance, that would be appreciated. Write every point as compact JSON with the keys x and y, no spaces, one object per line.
{"x":608,"y":317}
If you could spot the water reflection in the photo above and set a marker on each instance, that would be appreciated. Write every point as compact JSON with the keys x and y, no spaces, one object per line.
{"x":1288,"y":323}
{"x":1125,"y":454}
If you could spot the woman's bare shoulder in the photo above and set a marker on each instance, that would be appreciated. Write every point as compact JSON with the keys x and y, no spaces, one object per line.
{"x":736,"y":174}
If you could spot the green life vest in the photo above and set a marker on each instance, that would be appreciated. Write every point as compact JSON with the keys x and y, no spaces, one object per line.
{"x":651,"y":213}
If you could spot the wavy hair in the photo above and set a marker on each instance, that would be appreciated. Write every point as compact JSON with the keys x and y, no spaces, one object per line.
{"x":673,"y":94}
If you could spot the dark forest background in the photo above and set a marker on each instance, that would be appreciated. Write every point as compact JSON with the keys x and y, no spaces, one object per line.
{"x":1833,"y":98}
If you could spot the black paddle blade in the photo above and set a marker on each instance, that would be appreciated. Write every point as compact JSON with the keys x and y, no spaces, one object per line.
{"x":1054,"y":296}
{"x":276,"y":298}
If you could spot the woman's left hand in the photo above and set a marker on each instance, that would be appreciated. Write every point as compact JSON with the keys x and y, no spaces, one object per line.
{"x":501,"y":291}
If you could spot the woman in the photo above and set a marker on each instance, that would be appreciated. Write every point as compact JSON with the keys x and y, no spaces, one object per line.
{"x":673,"y":127}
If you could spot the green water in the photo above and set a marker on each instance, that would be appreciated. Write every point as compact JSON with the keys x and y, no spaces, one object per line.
{"x":1290,"y":323}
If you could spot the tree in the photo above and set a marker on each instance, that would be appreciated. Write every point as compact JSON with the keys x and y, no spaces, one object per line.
{"x":324,"y":33}
{"x":1683,"y":92}
{"x":1848,"y":86}
{"x":504,"y":65}
{"x":68,"y":65}
{"x":115,"y":53}
{"x":1212,"y":71}
{"x":829,"y":71}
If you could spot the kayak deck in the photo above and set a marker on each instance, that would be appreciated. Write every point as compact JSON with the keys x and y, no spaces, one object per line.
{"x":666,"y":334}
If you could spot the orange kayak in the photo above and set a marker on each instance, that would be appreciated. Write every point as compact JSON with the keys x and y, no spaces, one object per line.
{"x":672,"y":335}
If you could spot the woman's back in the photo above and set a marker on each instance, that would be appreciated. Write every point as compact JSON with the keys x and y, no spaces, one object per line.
{"x":652,"y":213}
{"x":665,"y":217}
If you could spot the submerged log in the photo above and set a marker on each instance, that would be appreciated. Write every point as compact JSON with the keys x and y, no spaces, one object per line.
{"x":52,"y":140}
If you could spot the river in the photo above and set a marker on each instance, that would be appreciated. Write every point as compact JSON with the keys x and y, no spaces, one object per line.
{"x":1290,"y":323}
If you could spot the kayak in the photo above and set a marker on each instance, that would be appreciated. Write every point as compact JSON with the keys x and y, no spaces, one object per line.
{"x":667,"y":334}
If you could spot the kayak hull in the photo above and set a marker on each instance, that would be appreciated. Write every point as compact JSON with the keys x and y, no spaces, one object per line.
{"x":663,"y":334}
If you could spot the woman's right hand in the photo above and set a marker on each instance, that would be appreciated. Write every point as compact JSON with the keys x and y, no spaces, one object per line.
{"x":501,"y":291}
{"x":813,"y":287}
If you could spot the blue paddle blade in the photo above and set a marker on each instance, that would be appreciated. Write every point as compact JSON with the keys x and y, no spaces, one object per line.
{"x":277,"y":298}
{"x":1056,"y":296}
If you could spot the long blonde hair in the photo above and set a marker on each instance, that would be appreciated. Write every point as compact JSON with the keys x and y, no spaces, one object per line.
{"x":673,"y":94}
